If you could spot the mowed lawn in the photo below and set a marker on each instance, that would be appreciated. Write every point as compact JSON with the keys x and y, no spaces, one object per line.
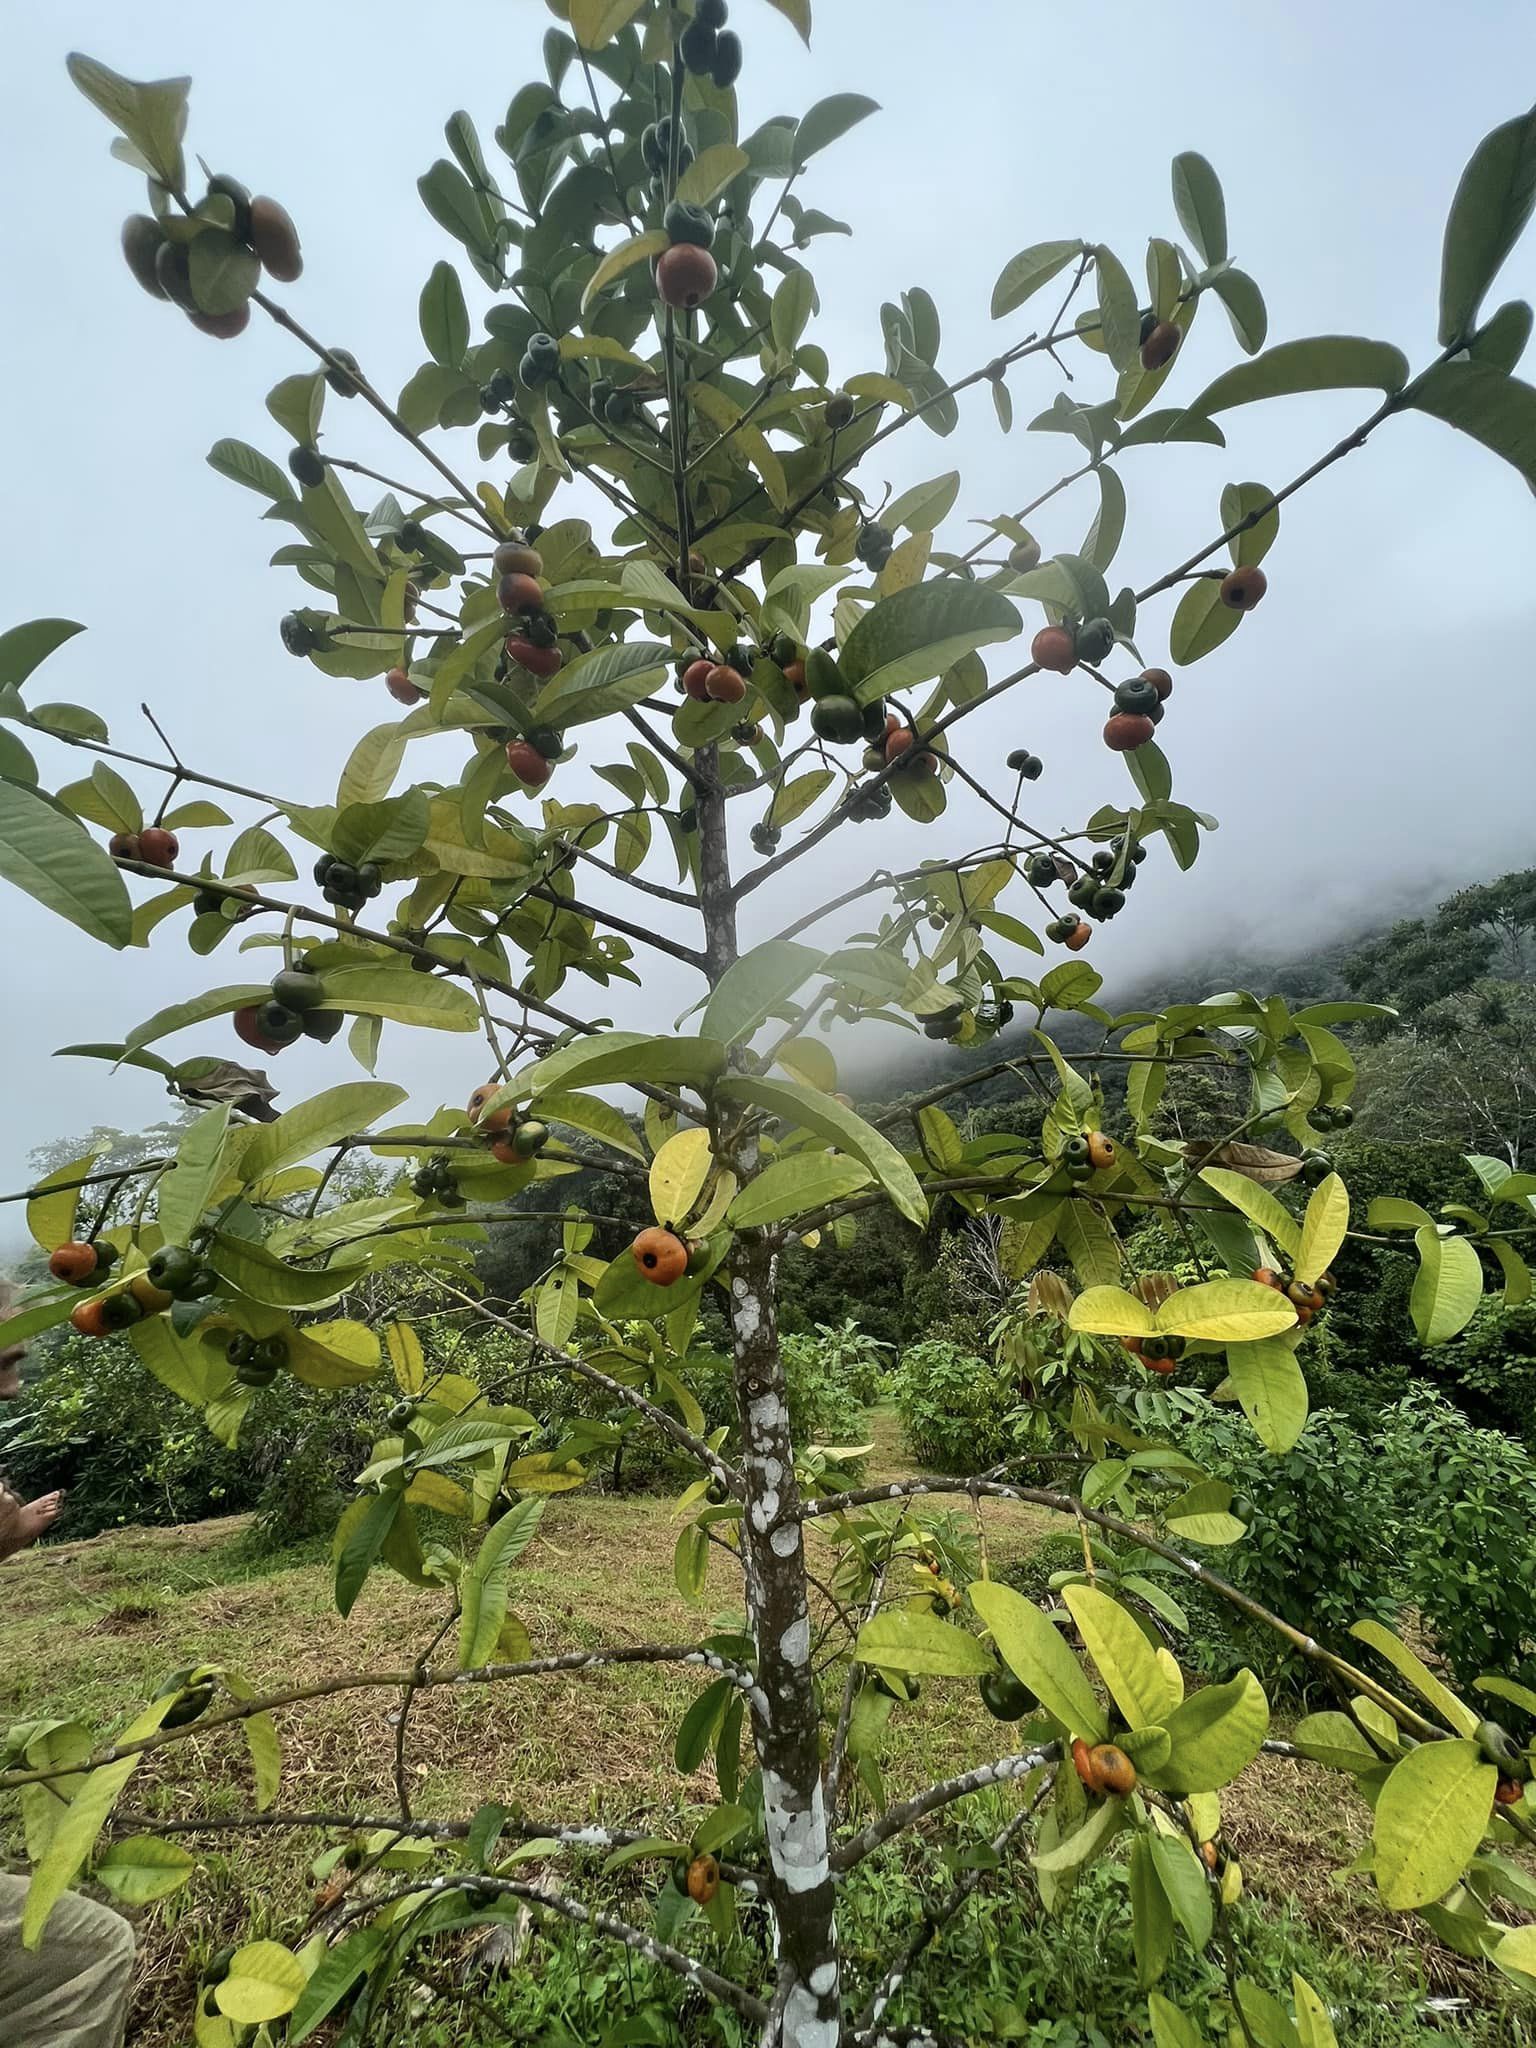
{"x":92,"y":1629}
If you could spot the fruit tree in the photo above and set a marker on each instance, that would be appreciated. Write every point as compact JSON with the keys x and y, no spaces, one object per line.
{"x":762,"y":655}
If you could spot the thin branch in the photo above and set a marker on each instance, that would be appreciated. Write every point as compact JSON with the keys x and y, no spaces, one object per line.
{"x":657,"y":889}
{"x":689,"y":956}
{"x":897,"y":1819}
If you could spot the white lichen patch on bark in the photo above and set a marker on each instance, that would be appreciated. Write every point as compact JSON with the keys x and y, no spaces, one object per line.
{"x":796,"y":1832}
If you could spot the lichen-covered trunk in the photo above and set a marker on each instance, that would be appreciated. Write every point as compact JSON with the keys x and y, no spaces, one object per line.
{"x":783,"y":1703}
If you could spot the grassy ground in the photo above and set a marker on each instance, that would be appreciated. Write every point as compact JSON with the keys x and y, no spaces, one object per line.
{"x":88,"y":1624}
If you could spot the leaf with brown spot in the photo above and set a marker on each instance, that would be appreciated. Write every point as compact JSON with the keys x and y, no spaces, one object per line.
{"x":1254,"y":1162}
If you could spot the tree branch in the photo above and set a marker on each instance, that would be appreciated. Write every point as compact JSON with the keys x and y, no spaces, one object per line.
{"x":897,"y":1819}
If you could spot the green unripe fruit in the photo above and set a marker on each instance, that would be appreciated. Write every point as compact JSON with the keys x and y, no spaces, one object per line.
{"x":529,"y":1140}
{"x":1017,"y":759}
{"x":1041,"y":871}
{"x":298,"y":635}
{"x":369,"y":879}
{"x":1315,"y":1167}
{"x":684,"y":223}
{"x":143,"y":237}
{"x":1343,"y":1116}
{"x":1024,"y":555}
{"x":545,"y":351}
{"x":1139,"y":696}
{"x":306,"y":467}
{"x":1103,"y":861}
{"x":874,"y":544}
{"x":838,"y":719}
{"x":344,"y":373}
{"x":119,"y":1310}
{"x":873,"y":728}
{"x":277,"y":1022}
{"x":323,"y":1025}
{"x":783,"y":650}
{"x":823,"y":678}
{"x":1107,"y":901}
{"x":223,"y":186}
{"x":250,"y":1374}
{"x":191,"y":1701}
{"x":171,"y":1269}
{"x":1499,"y":1747}
{"x":1095,"y":640}
{"x":1033,"y":768}
{"x":840,"y":410}
{"x":296,"y":988}
{"x":652,"y":155}
{"x":1005,"y":1697}
{"x":1083,"y":891}
{"x":401,"y":1414}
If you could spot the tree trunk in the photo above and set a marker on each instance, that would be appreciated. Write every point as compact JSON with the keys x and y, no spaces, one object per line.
{"x":783,"y":1703}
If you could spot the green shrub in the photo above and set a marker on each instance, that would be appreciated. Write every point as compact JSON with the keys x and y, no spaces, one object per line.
{"x":954,"y":1407}
{"x":1490,"y":1369}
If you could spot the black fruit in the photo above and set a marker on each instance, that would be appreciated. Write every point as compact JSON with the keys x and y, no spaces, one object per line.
{"x":697,"y":46}
{"x":298,"y":635}
{"x":1139,"y":696}
{"x":685,"y":223}
{"x":344,"y":373}
{"x":278,"y":1023}
{"x":271,"y":1354}
{"x":874,"y":544}
{"x":726,"y":68}
{"x":240,"y":1349}
{"x":1095,"y":640}
{"x":839,"y":413}
{"x":1041,"y":872}
{"x":306,"y":467}
{"x":171,"y":1269}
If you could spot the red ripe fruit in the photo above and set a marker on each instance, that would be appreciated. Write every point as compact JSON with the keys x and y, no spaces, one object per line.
{"x":401,"y":688}
{"x":723,"y":683}
{"x":696,"y":679}
{"x":124,"y":846}
{"x":248,"y":1027}
{"x":1507,"y":1793}
{"x":1160,"y":346}
{"x":1055,"y":648}
{"x":1241,"y":589}
{"x":157,"y":846}
{"x":539,"y":661}
{"x":1078,"y":937}
{"x":686,"y":275}
{"x":73,"y":1262}
{"x":528,"y":764}
{"x":519,"y":593}
{"x":223,"y":326}
{"x":1160,"y":680}
{"x":1127,"y":731}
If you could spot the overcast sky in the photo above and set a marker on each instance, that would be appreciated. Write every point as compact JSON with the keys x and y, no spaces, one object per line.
{"x":1364,"y":735}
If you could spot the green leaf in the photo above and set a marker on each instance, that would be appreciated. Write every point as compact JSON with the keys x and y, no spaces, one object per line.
{"x":790,"y":799}
{"x":745,"y":442}
{"x":49,"y":855}
{"x":1333,"y":1739}
{"x":1480,"y":400}
{"x":138,"y":1868}
{"x":483,"y":1588}
{"x":1119,"y":321}
{"x":1418,"y":1675}
{"x":840,"y":1126}
{"x":153,"y":115}
{"x":829,"y":119}
{"x":1430,"y":1816}
{"x":333,"y":1977}
{"x":924,"y":506}
{"x":1199,"y":205}
{"x":444,"y":317}
{"x":677,"y":1176}
{"x":255,"y":1272}
{"x":308,"y":1127}
{"x":391,"y":830}
{"x":1257,"y":1204}
{"x":1170,"y":2027}
{"x":1200,"y":622}
{"x":1272,"y":1389}
{"x":1111,"y":1312}
{"x":690,"y":1561}
{"x":609,"y":679}
{"x":1313,"y":2026}
{"x":1488,"y":215}
{"x":183,"y":1193}
{"x":755,"y":986}
{"x":1243,"y":501}
{"x":1139,"y":1685}
{"x":798,"y":1182}
{"x":243,"y":464}
{"x":51,"y":1217}
{"x":1102,"y":540}
{"x":1226,"y":1312}
{"x":360,"y":1536}
{"x":1245,"y":308}
{"x":75,"y":1834}
{"x":595,"y":23}
{"x":1182,"y":1877}
{"x":617,"y":261}
{"x":1025,"y":273}
{"x":1151,"y":1916}
{"x":401,"y":995}
{"x":1322,"y":362}
{"x":699,"y":1724}
{"x":625,"y":1056}
{"x":24,"y":648}
{"x":906,"y":1639}
{"x":265,"y":1981}
{"x":1447,"y":1287}
{"x":591,"y":1114}
{"x":1033,"y":1649}
{"x":914,"y":635}
{"x":223,"y":271}
{"x":1517,"y":1274}
{"x":791,"y":307}
{"x":709,"y":174}
{"x":1391,"y":1212}
{"x":1323,"y":1229}
{"x":1215,"y":1734}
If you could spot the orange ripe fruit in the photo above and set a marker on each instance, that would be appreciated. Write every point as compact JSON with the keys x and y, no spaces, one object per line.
{"x":1055,"y":648}
{"x":1241,"y":589}
{"x":87,"y":1318}
{"x":695,"y":677}
{"x":401,"y":688}
{"x":1101,"y":1150}
{"x":528,"y":764}
{"x":703,"y":1879}
{"x":1078,"y":937}
{"x":73,"y":1262}
{"x":1113,"y":1770}
{"x":498,"y":1118}
{"x":1126,"y":731}
{"x":723,"y":683}
{"x":519,"y":593}
{"x":794,"y":675}
{"x":1160,"y":680}
{"x":539,"y":661}
{"x":1160,"y":346}
{"x":660,"y":1255}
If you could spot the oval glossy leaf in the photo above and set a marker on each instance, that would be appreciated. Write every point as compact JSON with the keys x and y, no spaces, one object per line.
{"x":1226,"y":1312}
{"x":625,"y":1056}
{"x":1139,"y":1686}
{"x":678,"y":1174}
{"x":1215,"y":1735}
{"x":829,"y":119}
{"x":340,"y":1112}
{"x":1025,"y":273}
{"x":1447,"y":1287}
{"x":617,"y":261}
{"x":1480,"y":400}
{"x":595,"y":685}
{"x":1200,"y":622}
{"x":915,"y":635}
{"x":401,"y":995}
{"x":264,"y":1982}
{"x":1323,"y":1229}
{"x":1119,"y":321}
{"x":906,"y":1639}
{"x":710,"y":172}
{"x":24,"y":647}
{"x":1430,"y":1817}
{"x":1034,"y":1650}
{"x":755,"y":986}
{"x":1322,"y":362}
{"x":1257,"y":1204}
{"x":1488,"y":215}
{"x":1271,"y":1388}
{"x":1245,"y":308}
{"x":1198,"y":202}
{"x":795,"y":1184}
{"x":444,"y":316}
{"x":1111,"y":1312}
{"x":840,"y":1126}
{"x":50,"y":856}
{"x":139,"y":1868}
{"x":183,"y":1193}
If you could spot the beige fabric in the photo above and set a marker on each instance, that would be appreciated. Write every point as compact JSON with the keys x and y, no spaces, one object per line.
{"x":71,"y":1991}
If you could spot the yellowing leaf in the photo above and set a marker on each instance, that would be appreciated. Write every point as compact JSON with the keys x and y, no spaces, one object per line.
{"x":678,"y":1174}
{"x":617,"y":261}
{"x":1111,"y":1312}
{"x":1124,"y":1658}
{"x":1258,"y":1205}
{"x":1225,"y":1312}
{"x":264,"y":1982}
{"x":1035,"y":1651}
{"x":1272,"y":1389}
{"x":405,"y":1355}
{"x":1322,"y":1229}
{"x":710,"y":172}
{"x":1430,"y":1817}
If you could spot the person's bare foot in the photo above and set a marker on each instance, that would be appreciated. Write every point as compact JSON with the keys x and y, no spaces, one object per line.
{"x":37,"y":1517}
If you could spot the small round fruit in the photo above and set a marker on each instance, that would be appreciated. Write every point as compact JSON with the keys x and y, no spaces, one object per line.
{"x":839,"y":411}
{"x":1078,"y":937}
{"x":1054,"y":648}
{"x":223,"y":326}
{"x":516,"y":558}
{"x":1106,"y":902}
{"x":240,"y":1349}
{"x":298,"y":635}
{"x":275,"y":239}
{"x":684,"y":223}
{"x":680,"y":1867}
{"x":271,"y":1353}
{"x":106,"y":1254}
{"x":120,"y":1311}
{"x":1113,"y":1770}
{"x":343,"y":372}
{"x":1024,"y":555}
{"x":124,"y":846}
{"x":1160,"y":680}
{"x":696,"y":46}
{"x":1241,"y":589}
{"x":726,"y":68}
{"x":703,"y":1879}
{"x":518,"y":593}
{"x":660,"y":1255}
{"x":277,"y":1023}
{"x":1033,"y":768}
{"x":1266,"y":1276}
{"x":1315,"y":1167}
{"x":539,"y":661}
{"x":794,"y":675}
{"x":1139,"y":696}
{"x":1125,"y":731}
{"x":1082,"y":1762}
{"x":746,"y":732}
{"x":529,"y":1139}
{"x":499,"y":1119}
{"x":157,"y":846}
{"x":1160,"y":346}
{"x":1102,"y":1151}
{"x":1005,"y":1697}
{"x":711,"y":12}
{"x":528,"y":764}
{"x":74,"y":1262}
{"x":171,"y":1268}
{"x":1507,"y":1793}
{"x":1095,"y":640}
{"x":685,"y":276}
{"x":401,"y":688}
{"x":323,"y":1025}
{"x":725,"y":685}
{"x":88,"y":1318}
{"x":695,"y":679}
{"x":248,"y":1029}
{"x":297,"y":989}
{"x":1210,"y":1856}
{"x":306,"y":467}
{"x":1304,"y":1295}
{"x":839,"y":720}
{"x":142,"y":240}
